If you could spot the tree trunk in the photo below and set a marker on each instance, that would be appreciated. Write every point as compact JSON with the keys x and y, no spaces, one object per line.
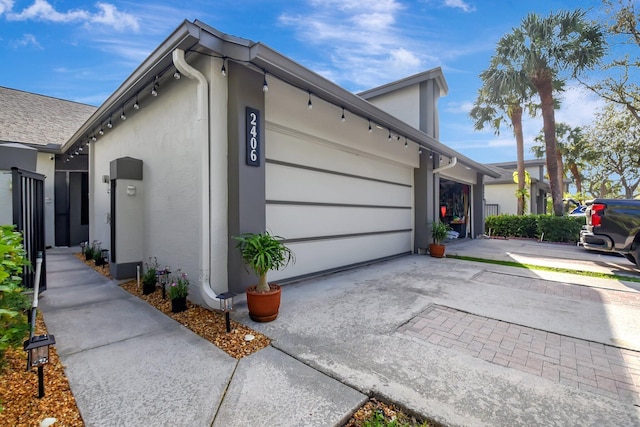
{"x":545,"y":91}
{"x":263,"y":286}
{"x":516,"y":122}
{"x":576,"y":177}
{"x":560,"y":169}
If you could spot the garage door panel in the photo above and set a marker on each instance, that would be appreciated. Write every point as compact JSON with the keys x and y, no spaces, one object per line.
{"x":315,"y":256}
{"x":289,"y":149}
{"x":296,"y":221}
{"x":303,"y":185}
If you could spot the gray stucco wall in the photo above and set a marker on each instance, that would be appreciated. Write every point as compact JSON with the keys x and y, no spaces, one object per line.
{"x":478,"y":207}
{"x":19,"y":156}
{"x":424,"y":201}
{"x":246,"y":183}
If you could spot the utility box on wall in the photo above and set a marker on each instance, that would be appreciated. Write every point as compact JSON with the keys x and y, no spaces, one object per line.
{"x":127,"y":217}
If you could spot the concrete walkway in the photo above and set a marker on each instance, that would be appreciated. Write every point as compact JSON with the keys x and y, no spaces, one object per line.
{"x":465,"y":343}
{"x":130,"y":365}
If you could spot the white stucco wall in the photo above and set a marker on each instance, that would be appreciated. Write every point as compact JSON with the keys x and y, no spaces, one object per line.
{"x":47,"y":167}
{"x":167,"y":136}
{"x":504,"y":195}
{"x":403,"y":103}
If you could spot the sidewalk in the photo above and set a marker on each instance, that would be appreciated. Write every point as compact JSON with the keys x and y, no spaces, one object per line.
{"x":464,"y":343}
{"x":130,"y":365}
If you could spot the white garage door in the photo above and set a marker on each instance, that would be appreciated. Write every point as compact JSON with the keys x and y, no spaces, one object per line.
{"x":335,"y":207}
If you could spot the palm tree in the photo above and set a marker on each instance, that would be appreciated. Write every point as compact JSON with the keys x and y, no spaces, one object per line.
{"x":503,"y":92}
{"x":543,"y":48}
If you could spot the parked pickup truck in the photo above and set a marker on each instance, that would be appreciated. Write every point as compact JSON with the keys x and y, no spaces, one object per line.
{"x":613,"y":225}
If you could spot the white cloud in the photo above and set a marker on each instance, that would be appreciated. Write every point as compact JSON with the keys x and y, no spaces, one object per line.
{"x":459,"y":4}
{"x":5,"y":6}
{"x":365,"y":44}
{"x":578,"y":106}
{"x":41,"y":10}
{"x":110,"y":16}
{"x":27,"y":40}
{"x":463,"y":107}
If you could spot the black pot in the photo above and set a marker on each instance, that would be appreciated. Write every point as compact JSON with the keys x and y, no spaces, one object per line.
{"x":99,"y":262}
{"x":178,"y":304}
{"x":148,"y":288}
{"x":87,"y":256}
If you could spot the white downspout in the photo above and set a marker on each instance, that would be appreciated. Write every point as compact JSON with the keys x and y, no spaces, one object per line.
{"x":208,"y":295}
{"x":454,"y":161}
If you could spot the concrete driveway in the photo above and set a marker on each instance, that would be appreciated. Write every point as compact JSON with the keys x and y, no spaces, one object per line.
{"x":475,"y":344}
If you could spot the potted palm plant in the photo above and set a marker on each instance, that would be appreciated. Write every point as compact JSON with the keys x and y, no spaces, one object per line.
{"x":263,"y":252}
{"x":439,"y":232}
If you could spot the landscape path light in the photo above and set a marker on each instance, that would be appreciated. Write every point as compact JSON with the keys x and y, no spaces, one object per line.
{"x":37,"y":349}
{"x":226,"y":305}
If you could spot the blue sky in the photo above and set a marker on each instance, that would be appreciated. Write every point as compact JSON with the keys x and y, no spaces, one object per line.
{"x":83,"y":50}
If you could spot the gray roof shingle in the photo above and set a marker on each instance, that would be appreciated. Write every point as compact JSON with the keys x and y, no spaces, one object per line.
{"x":29,"y":118}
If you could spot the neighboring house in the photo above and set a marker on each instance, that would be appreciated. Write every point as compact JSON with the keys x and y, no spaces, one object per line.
{"x":33,"y":129}
{"x":500,"y":193}
{"x":213,"y":136}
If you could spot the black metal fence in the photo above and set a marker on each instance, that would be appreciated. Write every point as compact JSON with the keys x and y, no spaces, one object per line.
{"x":491,"y":209}
{"x":28,"y":216}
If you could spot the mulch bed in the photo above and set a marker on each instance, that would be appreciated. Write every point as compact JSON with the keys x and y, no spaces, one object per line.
{"x":210,"y":325}
{"x":21,"y":406}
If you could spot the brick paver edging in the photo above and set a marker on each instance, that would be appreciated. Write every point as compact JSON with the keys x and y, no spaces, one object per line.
{"x":587,"y":365}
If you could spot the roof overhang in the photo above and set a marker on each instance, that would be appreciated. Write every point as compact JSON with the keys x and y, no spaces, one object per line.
{"x":199,"y":37}
{"x":433,"y":74}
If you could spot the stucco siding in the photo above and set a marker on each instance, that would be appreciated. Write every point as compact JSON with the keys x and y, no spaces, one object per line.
{"x":166,"y":135}
{"x":504,"y":195}
{"x":403,"y":103}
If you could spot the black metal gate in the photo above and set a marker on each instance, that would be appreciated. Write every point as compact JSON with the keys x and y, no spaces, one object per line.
{"x":28,"y":216}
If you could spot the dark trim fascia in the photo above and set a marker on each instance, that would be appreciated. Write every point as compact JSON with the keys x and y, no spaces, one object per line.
{"x":432,"y":74}
{"x":184,"y":37}
{"x":330,"y":172}
{"x":303,"y":78}
{"x":199,"y":37}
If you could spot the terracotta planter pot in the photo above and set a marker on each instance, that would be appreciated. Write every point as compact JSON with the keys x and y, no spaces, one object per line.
{"x":178,"y":304}
{"x":264,"y":306}
{"x":436,"y":251}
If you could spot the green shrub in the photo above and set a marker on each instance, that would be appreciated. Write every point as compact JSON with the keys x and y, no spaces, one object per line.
{"x":13,"y":302}
{"x":512,"y":225}
{"x":560,"y":228}
{"x":555,"y":228}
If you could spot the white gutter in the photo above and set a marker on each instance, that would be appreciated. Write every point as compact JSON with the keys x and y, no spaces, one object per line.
{"x":188,"y":71}
{"x":452,"y":163}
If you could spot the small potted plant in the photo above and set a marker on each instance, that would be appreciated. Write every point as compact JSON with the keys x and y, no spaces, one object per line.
{"x":89,"y":249}
{"x":178,"y":291}
{"x":263,"y":252}
{"x":439,"y":232}
{"x":98,"y":260}
{"x":150,"y":278}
